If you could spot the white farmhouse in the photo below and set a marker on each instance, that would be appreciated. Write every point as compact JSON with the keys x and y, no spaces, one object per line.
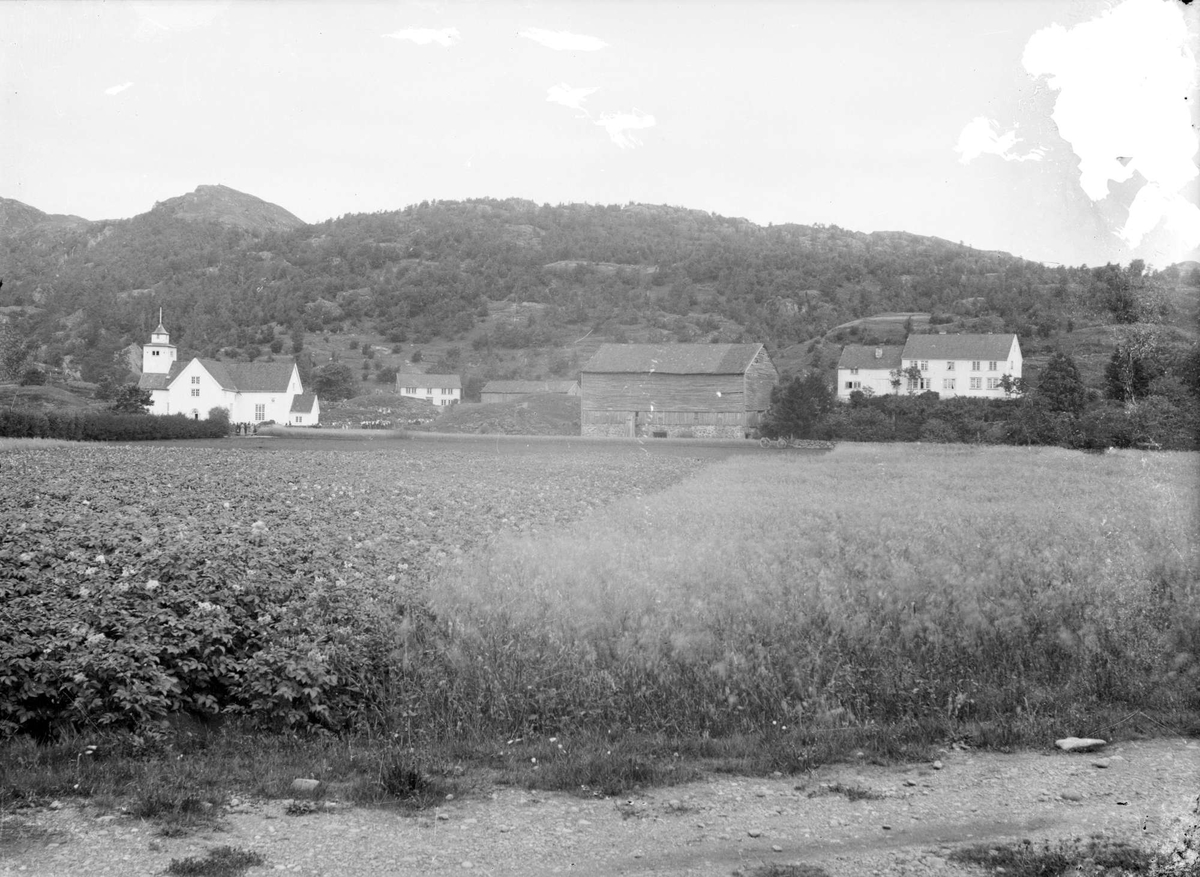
{"x":868,"y":369}
{"x":949,"y":365}
{"x":252,"y":392}
{"x":438,"y":389}
{"x":962,"y":365}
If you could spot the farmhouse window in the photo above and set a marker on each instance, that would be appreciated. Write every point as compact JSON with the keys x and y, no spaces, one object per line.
{"x":975,"y":365}
{"x":195,"y":392}
{"x":924,"y":365}
{"x":976,"y":383}
{"x":299,"y":419}
{"x":922,"y":384}
{"x":853,"y":371}
{"x":992,"y":365}
{"x":948,"y":383}
{"x":993,"y":384}
{"x":195,"y":379}
{"x":412,"y":390}
{"x":950,"y":366}
{"x":154,"y":353}
{"x":260,"y":413}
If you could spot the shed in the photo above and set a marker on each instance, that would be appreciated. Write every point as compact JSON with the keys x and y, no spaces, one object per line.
{"x":699,"y":390}
{"x":507,"y":391}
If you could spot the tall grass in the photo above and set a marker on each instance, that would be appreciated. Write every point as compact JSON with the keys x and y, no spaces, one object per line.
{"x":872,"y":586}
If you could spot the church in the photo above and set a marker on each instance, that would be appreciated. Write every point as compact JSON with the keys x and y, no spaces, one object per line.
{"x":252,"y":392}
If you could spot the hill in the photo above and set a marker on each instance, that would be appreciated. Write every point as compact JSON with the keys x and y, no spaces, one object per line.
{"x":495,"y":289}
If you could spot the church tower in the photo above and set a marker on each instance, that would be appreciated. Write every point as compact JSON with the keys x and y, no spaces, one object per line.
{"x":159,"y":355}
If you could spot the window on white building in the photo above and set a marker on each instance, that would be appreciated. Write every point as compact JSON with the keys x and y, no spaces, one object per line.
{"x":975,"y":365}
{"x":260,"y":413}
{"x":976,"y":383}
{"x":992,"y":365}
{"x":853,"y":371}
{"x":950,"y":366}
{"x":924,"y":365}
{"x":993,"y":384}
{"x":299,"y":419}
{"x":948,"y":383}
{"x":922,"y":385}
{"x":195,"y":392}
{"x":196,"y":379}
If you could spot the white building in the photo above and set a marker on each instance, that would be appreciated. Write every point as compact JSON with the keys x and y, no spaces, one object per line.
{"x":252,"y":392}
{"x":868,"y":369}
{"x":949,"y":365}
{"x":438,"y":389}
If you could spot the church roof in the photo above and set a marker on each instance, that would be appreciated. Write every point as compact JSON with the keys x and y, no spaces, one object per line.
{"x":303,"y":403}
{"x":160,"y":382}
{"x":260,"y":377}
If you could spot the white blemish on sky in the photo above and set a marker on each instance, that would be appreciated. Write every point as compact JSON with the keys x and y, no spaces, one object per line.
{"x":981,"y":137}
{"x":424,"y":36}
{"x":618,"y":126}
{"x":117,"y":89}
{"x":569,"y":97}
{"x":563,"y":41}
{"x":1124,"y":82}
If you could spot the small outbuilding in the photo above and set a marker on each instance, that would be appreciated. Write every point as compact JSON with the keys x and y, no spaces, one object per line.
{"x":507,"y":391}
{"x":661,"y":390}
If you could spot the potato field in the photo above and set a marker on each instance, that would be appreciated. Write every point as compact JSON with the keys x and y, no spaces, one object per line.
{"x":432,"y":591}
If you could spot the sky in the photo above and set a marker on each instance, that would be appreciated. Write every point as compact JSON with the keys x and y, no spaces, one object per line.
{"x":1059,"y":130}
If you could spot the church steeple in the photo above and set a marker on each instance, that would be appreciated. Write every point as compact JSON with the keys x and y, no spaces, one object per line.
{"x":159,"y":355}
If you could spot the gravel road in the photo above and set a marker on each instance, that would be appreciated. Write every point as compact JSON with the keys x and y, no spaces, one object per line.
{"x":913,"y":818}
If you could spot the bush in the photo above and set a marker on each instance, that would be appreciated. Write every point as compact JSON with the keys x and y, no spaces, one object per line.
{"x":32,"y":377}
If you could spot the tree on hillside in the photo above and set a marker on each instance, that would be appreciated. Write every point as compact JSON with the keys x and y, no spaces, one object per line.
{"x":1061,"y":387}
{"x":799,"y":407}
{"x":131,"y":399}
{"x":334,"y":381}
{"x":1134,"y":364}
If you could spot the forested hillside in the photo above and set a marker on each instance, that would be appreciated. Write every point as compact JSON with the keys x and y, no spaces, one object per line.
{"x":241,"y":278}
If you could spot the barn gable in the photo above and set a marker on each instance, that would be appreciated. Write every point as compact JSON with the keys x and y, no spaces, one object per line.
{"x":709,"y":390}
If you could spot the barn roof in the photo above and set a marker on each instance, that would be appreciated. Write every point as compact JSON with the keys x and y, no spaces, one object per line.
{"x":302,"y":403}
{"x":958,"y":346}
{"x":863,"y":356}
{"x":419,"y":379}
{"x":527,"y":387}
{"x":674,"y":359}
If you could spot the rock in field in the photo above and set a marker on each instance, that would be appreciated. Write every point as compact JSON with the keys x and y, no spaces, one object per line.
{"x":305,"y":786}
{"x":1079,"y":744}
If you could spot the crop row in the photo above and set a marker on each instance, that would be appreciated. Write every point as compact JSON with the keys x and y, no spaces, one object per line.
{"x":136,"y":582}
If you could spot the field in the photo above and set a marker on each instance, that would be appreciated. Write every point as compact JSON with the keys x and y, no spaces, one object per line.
{"x":767,"y":610}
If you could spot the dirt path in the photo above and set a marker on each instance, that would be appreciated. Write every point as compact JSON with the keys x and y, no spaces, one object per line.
{"x":1130,"y":791}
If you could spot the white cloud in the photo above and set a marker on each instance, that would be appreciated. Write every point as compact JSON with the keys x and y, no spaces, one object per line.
{"x":423,"y":36}
{"x":569,"y":97}
{"x":117,"y":89}
{"x":1122,"y":80}
{"x":156,"y":18}
{"x":563,"y":41}
{"x":619,"y":124}
{"x":981,"y":136}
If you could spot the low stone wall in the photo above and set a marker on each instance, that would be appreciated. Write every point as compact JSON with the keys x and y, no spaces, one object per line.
{"x":621,"y":430}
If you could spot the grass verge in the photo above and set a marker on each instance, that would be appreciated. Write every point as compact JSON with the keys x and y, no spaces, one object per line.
{"x":1084,"y":858}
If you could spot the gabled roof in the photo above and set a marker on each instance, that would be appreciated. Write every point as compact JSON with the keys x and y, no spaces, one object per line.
{"x":260,"y":377}
{"x":417,"y":379}
{"x":674,"y":359}
{"x":160,"y":382}
{"x":958,"y":346}
{"x":527,"y":387}
{"x":239,"y":377}
{"x":863,"y":356}
{"x":303,"y":403}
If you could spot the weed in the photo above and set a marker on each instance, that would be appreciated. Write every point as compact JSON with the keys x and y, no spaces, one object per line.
{"x":1084,"y":858}
{"x":854,"y":793}
{"x":220,"y":862}
{"x":773,"y":869}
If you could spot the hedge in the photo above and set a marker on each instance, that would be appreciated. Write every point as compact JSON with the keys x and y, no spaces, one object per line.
{"x":106,"y":427}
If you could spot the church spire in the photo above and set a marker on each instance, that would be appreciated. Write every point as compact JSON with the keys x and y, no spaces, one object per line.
{"x":159,"y":355}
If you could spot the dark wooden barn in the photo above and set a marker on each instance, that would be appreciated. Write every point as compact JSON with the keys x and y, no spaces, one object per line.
{"x":697,"y":390}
